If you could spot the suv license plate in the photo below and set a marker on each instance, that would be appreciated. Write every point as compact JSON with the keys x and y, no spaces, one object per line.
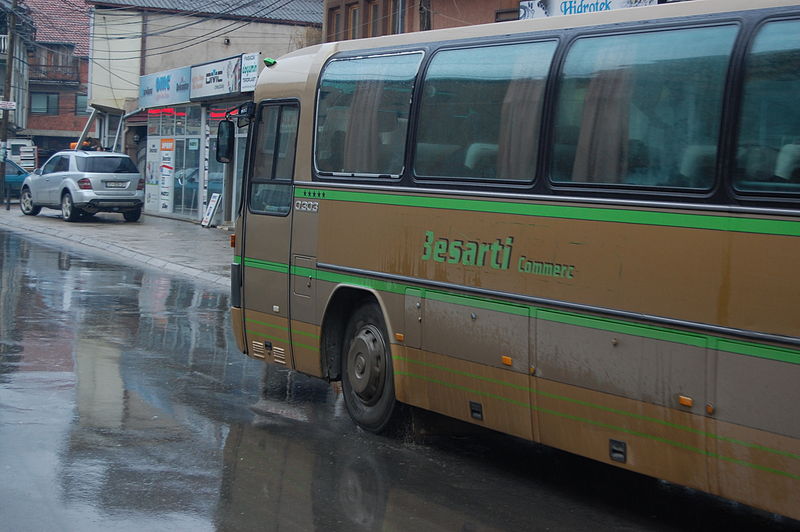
{"x":116,"y":184}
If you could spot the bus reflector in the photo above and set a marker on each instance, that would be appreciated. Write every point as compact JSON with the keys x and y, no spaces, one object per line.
{"x":233,"y":240}
{"x":506,"y":360}
{"x":400,"y":337}
{"x":685,"y":401}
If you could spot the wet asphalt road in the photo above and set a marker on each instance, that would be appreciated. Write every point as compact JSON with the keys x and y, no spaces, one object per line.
{"x":125,"y":406}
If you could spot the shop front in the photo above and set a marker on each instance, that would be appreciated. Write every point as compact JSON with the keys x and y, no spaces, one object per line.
{"x":184,"y":107}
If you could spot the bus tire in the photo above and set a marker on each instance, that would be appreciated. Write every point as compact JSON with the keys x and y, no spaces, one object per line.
{"x":367,"y":376}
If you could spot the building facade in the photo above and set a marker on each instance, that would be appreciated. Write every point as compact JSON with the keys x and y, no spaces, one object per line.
{"x":173,"y":73}
{"x":355,"y":19}
{"x":24,"y":35}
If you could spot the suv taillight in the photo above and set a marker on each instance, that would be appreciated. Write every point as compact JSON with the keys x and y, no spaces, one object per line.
{"x":140,"y":184}
{"x":84,"y":184}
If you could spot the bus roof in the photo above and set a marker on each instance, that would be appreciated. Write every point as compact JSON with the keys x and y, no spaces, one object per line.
{"x":303,"y":63}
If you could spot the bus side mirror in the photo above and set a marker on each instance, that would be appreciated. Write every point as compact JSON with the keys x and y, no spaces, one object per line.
{"x":245,"y":113}
{"x":225,"y":138}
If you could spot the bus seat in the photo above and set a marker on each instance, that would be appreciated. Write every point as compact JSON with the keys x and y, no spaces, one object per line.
{"x":697,"y":166}
{"x":787,"y":164}
{"x":482,"y":159}
{"x":430,"y":157}
{"x":756,"y":163}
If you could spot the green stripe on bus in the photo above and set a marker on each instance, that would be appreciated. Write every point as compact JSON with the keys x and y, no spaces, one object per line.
{"x":266,"y":265}
{"x":282,"y":328}
{"x":603,"y":425}
{"x":237,"y":259}
{"x":585,"y":213}
{"x":652,"y":332}
{"x":277,"y":339}
{"x":596,"y":406}
{"x":608,"y":324}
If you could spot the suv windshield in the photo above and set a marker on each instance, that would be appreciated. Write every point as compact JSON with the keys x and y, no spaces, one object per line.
{"x":107,"y":165}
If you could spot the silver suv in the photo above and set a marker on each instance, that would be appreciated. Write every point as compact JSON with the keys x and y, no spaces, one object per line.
{"x":83,"y":183}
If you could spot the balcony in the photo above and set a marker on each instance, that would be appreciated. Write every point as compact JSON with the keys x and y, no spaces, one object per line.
{"x":53,"y":73}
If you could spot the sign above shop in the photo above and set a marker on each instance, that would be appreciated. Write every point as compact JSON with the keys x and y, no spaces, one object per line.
{"x":220,"y":78}
{"x":250,"y":63}
{"x":169,"y":87}
{"x":553,"y":8}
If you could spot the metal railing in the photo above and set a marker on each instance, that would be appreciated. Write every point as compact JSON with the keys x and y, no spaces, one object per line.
{"x":53,"y":72}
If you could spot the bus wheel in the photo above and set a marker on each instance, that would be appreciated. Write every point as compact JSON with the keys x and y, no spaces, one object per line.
{"x":367,"y":378}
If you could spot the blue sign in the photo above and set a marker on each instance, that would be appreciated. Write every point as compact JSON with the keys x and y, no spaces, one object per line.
{"x":169,"y":87}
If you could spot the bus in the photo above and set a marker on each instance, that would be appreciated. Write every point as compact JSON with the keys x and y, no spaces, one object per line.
{"x":582,"y":231}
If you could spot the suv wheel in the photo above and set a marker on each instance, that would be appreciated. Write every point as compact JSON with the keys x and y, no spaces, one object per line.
{"x":132,"y":216}
{"x":69,"y":211}
{"x":26,"y":203}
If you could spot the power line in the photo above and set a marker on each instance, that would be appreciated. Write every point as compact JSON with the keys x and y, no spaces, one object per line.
{"x":174,"y":47}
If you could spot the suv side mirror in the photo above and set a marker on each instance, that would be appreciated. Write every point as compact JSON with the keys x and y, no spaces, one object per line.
{"x":225,"y":138}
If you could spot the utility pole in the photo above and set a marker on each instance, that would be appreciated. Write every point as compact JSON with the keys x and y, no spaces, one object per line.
{"x":11,"y":22}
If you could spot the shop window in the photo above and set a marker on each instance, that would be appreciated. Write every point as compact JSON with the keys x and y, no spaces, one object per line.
{"x":168,"y":122}
{"x":180,"y":121}
{"x":193,"y":120}
{"x":45,"y":103}
{"x":153,"y":122}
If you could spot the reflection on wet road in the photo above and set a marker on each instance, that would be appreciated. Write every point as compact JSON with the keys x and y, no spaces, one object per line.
{"x":124,"y":405}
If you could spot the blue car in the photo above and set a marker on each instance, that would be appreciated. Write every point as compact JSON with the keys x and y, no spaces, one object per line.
{"x":15,"y":175}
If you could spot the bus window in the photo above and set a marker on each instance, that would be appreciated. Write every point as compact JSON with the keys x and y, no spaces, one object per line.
{"x":362,"y":115}
{"x":768,"y":150}
{"x":480,"y":112}
{"x":273,"y":159}
{"x":642,"y":109}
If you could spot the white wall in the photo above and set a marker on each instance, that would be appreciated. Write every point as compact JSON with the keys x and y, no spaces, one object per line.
{"x":175,"y":41}
{"x":114,"y":58}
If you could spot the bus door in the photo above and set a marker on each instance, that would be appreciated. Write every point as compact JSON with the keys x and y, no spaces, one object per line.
{"x":267,"y":230}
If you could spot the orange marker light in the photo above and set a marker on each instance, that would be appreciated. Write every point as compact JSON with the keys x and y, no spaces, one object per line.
{"x":685,"y":401}
{"x":506,"y":360}
{"x":400,"y":337}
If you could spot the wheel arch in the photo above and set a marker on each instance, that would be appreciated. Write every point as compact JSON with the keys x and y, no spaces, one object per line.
{"x":341,"y":305}
{"x":64,"y":189}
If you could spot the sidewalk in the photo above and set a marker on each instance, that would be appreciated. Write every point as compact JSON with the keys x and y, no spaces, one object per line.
{"x":176,"y":246}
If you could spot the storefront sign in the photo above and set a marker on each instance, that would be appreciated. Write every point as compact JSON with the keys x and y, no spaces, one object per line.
{"x":152,"y":176}
{"x":166,"y":176}
{"x":552,"y":8}
{"x":211,"y":210}
{"x":249,"y":71}
{"x":165,"y":88}
{"x":217,"y":79}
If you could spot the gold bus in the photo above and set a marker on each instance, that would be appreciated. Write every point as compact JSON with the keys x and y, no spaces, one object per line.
{"x":581,"y":230}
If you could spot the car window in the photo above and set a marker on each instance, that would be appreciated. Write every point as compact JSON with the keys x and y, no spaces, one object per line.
{"x":62,"y":165}
{"x":107,"y":165}
{"x":50,"y":166}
